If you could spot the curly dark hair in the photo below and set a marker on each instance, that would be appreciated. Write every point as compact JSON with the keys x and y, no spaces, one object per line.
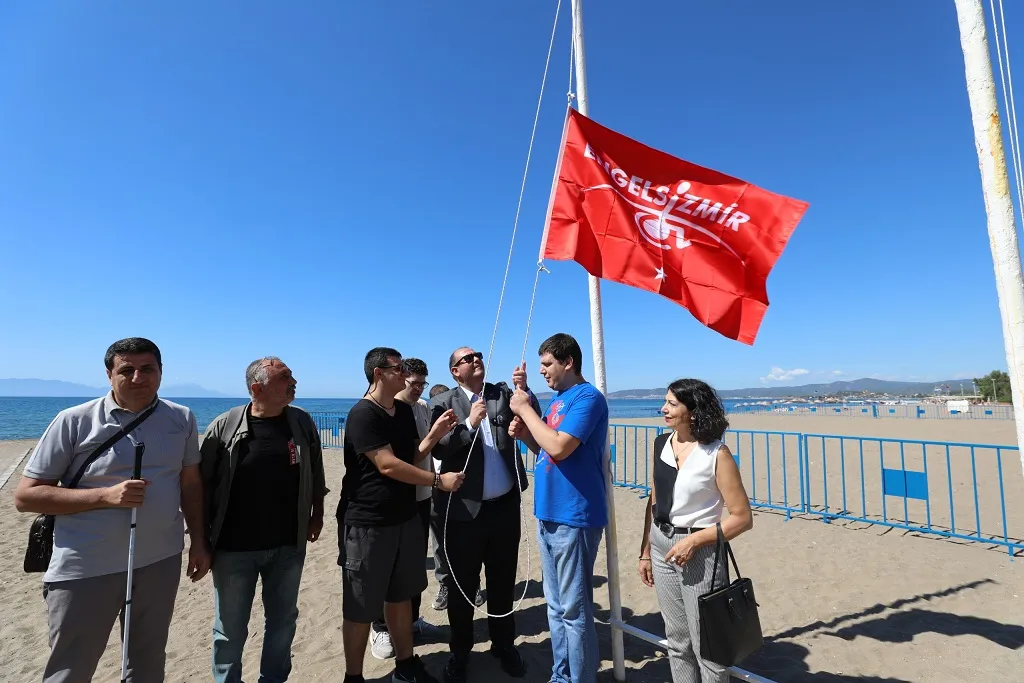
{"x":416,"y":366}
{"x":705,"y":406}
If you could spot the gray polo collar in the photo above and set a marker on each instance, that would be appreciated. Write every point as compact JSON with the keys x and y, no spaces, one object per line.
{"x":110,"y":405}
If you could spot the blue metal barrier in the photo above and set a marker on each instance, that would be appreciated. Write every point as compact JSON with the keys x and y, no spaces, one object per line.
{"x":766,"y":459}
{"x":952,"y":490}
{"x":331,"y":426}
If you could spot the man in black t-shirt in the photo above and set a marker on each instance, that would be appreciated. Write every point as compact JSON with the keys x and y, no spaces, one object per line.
{"x":380,"y":540}
{"x":263,"y":472}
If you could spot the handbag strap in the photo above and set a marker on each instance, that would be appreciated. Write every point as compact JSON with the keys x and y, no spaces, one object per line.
{"x":718,"y":549}
{"x":110,"y":442}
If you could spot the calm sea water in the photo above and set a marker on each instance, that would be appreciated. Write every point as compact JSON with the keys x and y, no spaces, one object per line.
{"x":26,"y":418}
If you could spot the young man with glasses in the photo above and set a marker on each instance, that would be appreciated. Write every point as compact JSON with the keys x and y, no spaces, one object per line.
{"x":380,"y":640}
{"x":380,"y":540}
{"x":480,"y":526}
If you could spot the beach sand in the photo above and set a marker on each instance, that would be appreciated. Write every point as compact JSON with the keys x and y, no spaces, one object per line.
{"x":838,"y":602}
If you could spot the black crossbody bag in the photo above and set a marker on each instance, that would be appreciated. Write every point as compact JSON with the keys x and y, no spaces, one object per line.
{"x":730,"y":628}
{"x":40,"y":535}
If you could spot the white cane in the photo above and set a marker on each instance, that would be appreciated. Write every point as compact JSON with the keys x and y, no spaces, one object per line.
{"x":140,"y":448}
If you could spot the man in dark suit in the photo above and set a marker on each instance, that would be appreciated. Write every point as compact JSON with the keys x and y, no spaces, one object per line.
{"x":483,"y":523}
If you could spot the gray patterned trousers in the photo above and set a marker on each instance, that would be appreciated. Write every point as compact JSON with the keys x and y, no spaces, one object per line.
{"x":678,"y":589}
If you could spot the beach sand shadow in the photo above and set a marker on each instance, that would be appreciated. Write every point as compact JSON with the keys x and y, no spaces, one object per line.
{"x":901,"y":627}
{"x":784,"y":661}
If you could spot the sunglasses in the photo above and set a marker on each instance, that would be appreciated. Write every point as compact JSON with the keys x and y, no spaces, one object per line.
{"x":402,"y":367}
{"x":468,"y":358}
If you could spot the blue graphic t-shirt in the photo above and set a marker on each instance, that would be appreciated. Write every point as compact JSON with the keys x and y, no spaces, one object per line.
{"x":572,"y":491}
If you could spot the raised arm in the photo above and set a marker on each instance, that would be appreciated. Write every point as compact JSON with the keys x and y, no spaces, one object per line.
{"x":391,"y":466}
{"x":453,"y":442}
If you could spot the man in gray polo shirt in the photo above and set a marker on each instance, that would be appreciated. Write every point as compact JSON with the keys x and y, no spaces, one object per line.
{"x":84,"y":586}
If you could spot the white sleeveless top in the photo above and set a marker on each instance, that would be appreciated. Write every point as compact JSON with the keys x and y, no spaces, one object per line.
{"x":696,"y":500}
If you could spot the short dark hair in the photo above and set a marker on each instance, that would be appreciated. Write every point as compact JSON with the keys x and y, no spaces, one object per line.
{"x":377,"y":357}
{"x":438,"y":389}
{"x":706,"y":408}
{"x":563,"y":347}
{"x":416,"y":366}
{"x":123,"y":347}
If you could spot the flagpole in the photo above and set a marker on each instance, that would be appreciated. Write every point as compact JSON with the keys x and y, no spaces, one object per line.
{"x":600,"y":377}
{"x":995,"y":182}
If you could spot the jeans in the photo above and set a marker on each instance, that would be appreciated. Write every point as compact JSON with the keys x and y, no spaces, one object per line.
{"x":567,"y":559}
{"x":234,"y":586}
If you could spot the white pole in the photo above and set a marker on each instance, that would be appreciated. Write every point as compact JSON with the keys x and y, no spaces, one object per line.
{"x":600,"y":378}
{"x":1002,"y":232}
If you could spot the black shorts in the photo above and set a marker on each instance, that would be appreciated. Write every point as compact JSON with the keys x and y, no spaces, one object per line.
{"x":381,"y":564}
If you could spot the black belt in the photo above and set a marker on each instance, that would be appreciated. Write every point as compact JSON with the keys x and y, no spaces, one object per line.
{"x":671,"y":531}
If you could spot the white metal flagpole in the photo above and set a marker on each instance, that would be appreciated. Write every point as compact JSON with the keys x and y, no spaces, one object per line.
{"x":995,"y":182}
{"x":600,"y":378}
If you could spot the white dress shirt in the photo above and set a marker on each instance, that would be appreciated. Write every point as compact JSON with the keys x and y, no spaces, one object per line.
{"x":497,"y":478}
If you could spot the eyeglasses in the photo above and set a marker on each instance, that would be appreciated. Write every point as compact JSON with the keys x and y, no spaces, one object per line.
{"x":401,"y":367}
{"x":416,"y":385}
{"x":468,"y":358}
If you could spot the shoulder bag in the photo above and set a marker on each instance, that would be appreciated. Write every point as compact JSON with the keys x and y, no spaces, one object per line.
{"x":730,"y":628}
{"x":40,"y":535}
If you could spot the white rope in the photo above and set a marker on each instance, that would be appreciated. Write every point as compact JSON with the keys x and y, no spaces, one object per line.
{"x":1010,"y":106}
{"x":490,"y":353}
{"x":570,"y":95}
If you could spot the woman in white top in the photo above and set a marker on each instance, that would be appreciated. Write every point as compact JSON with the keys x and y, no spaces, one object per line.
{"x":695,"y":478}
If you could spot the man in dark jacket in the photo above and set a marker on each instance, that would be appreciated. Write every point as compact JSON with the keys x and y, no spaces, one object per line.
{"x":263,"y":471}
{"x":480,"y":524}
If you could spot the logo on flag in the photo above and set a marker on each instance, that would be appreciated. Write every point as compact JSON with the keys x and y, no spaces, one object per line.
{"x":638,"y":216}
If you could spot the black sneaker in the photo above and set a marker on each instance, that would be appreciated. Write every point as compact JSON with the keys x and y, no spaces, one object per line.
{"x":511,"y":661}
{"x":412,"y":671}
{"x":441,"y":601}
{"x":479,"y":599}
{"x":455,"y":670}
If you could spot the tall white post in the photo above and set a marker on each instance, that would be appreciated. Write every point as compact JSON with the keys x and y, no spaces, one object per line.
{"x":600,"y":378}
{"x":995,"y":183}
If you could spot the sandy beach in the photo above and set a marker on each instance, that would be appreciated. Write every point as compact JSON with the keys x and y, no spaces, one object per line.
{"x":838,"y":602}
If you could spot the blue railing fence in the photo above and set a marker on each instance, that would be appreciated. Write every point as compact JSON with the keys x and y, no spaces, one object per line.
{"x":971,"y":492}
{"x":878,"y":410}
{"x":331,"y":427}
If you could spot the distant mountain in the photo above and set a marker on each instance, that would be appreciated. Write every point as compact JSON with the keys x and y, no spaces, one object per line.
{"x":47,"y":387}
{"x":31,"y":387}
{"x":191,"y":391}
{"x":876,"y":386}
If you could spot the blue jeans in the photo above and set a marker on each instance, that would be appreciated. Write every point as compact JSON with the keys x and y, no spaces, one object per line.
{"x":567,"y":559}
{"x":234,"y":586}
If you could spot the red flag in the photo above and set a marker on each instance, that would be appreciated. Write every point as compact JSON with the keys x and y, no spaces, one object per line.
{"x":635,"y":215}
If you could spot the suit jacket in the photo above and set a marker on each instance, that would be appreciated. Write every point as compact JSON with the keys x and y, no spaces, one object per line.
{"x":453,"y":449}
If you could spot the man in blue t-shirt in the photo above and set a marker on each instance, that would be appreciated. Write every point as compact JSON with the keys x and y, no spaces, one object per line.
{"x":569,"y":501}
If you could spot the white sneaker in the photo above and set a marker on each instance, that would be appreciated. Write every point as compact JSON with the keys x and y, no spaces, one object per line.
{"x":380,"y":644}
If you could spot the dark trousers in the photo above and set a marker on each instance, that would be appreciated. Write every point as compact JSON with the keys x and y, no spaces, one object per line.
{"x":423,"y":508}
{"x":492,"y":541}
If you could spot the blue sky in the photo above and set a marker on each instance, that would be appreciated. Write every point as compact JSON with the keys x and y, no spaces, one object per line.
{"x":312,"y":179}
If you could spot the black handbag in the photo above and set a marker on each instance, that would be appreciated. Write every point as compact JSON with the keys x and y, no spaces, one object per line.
{"x":730,"y":629}
{"x":40,"y":534}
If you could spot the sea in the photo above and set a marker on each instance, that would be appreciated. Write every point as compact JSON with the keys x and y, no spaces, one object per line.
{"x":27,"y":418}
